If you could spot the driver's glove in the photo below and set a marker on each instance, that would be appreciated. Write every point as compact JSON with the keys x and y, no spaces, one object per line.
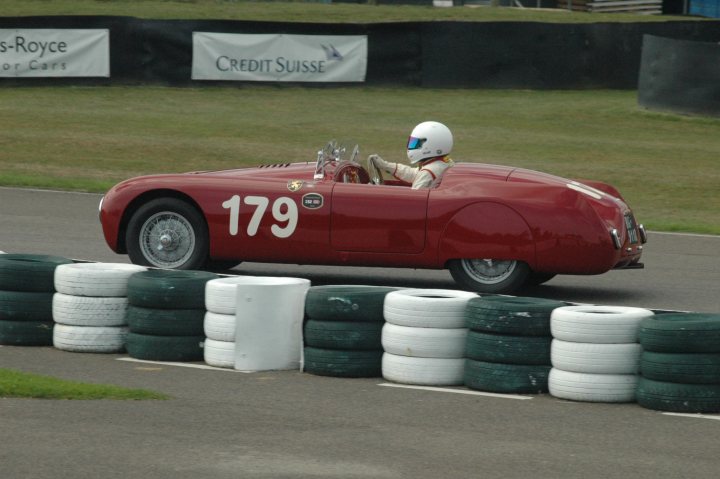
{"x":386,"y":166}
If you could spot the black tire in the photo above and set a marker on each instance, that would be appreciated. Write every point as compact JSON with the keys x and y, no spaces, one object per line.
{"x":507,"y":378}
{"x":681,"y":368}
{"x":26,"y":333}
{"x":184,"y":220}
{"x":511,"y":315}
{"x":29,"y":272}
{"x":681,"y":333}
{"x":536,"y":279}
{"x":348,"y":335}
{"x":346,"y":303}
{"x":25,"y":306}
{"x":673,"y":397}
{"x":170,"y":289}
{"x":476,"y":275}
{"x":221,"y":265}
{"x":346,"y":364}
{"x":165,"y":348}
{"x":505,"y":349}
{"x":166,"y":322}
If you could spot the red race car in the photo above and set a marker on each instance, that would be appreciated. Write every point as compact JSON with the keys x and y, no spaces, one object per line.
{"x":496,"y":228}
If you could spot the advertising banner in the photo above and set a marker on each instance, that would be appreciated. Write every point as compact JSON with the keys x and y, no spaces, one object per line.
{"x":279,"y":57}
{"x":54,"y":53}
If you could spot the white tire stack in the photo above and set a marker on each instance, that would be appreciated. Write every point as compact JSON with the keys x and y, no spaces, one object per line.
{"x":424,"y":336}
{"x":595,"y":353}
{"x":89,"y":307}
{"x":219,"y":324}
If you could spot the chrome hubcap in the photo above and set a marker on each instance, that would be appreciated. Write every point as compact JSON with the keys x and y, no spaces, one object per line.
{"x":489,"y":271}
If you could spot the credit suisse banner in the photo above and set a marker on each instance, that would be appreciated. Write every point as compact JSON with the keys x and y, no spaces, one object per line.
{"x":54,"y":53}
{"x":279,"y":57}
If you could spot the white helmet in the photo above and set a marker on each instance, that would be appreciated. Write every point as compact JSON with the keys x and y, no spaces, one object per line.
{"x":428,"y":140}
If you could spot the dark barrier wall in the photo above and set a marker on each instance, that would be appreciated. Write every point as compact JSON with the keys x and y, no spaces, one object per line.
{"x":429,"y":54}
{"x":680,"y":76}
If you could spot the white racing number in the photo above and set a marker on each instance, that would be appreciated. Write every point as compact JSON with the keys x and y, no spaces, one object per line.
{"x":284,"y":211}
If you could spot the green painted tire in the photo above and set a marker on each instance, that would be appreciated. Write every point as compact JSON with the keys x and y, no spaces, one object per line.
{"x":345,"y":364}
{"x":29,"y":272}
{"x":506,"y":349}
{"x":166,"y":322}
{"x":511,"y":315}
{"x":506,"y":378}
{"x":348,"y":335}
{"x":681,"y":333}
{"x":26,"y":333}
{"x":698,"y":368}
{"x":169,"y":289}
{"x":165,"y":348}
{"x":346,"y":303}
{"x":674,"y":397}
{"x":25,"y":306}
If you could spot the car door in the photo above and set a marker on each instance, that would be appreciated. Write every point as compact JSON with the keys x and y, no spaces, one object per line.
{"x":378,"y":218}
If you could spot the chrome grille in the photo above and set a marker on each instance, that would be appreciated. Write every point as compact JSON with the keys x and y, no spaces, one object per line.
{"x":631,"y":228}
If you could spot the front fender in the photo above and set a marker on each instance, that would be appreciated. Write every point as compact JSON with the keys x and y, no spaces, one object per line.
{"x":487,"y":230}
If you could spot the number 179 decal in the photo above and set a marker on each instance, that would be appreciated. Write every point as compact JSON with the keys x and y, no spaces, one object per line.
{"x":284,"y":210}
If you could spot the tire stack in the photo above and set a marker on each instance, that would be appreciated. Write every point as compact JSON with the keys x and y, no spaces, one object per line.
{"x":595,"y":353}
{"x":424,"y":336}
{"x":680,"y":363}
{"x":166,"y":314}
{"x":219,"y":321}
{"x":508,"y":346}
{"x":26,"y":293}
{"x":342,"y":330}
{"x":89,"y":307}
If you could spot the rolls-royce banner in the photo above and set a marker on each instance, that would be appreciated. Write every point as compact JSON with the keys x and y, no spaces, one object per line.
{"x":54,"y":53}
{"x":279,"y":57}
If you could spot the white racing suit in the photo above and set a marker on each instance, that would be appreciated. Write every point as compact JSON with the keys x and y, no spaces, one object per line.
{"x":427,"y":175}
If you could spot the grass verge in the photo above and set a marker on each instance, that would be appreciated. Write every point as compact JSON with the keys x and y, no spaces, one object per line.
{"x":89,"y":138}
{"x":16,"y":384}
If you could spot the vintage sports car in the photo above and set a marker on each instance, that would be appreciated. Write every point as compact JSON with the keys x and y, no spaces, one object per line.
{"x":496,"y":228}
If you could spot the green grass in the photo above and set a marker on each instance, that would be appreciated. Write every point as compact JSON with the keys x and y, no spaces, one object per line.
{"x":17,"y":384}
{"x":89,"y":138}
{"x":303,"y":11}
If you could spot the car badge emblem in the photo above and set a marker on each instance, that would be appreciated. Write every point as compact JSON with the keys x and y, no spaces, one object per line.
{"x":312,"y":201}
{"x":295,"y":185}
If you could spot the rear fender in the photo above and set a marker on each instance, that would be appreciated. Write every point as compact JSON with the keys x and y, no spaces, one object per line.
{"x":487,"y":230}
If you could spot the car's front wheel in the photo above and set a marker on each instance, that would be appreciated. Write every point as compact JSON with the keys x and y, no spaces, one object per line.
{"x":168,"y":233}
{"x":489,"y":275}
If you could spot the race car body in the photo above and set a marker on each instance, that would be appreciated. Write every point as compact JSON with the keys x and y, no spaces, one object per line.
{"x":496,"y":228}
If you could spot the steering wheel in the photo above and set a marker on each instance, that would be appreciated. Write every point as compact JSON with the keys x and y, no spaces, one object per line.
{"x":351,"y":173}
{"x":376,"y":177}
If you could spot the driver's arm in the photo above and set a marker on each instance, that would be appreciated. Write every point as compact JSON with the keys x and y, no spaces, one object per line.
{"x":398,"y":170}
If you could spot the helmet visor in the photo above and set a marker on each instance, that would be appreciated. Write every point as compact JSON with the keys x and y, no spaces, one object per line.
{"x":415,"y":143}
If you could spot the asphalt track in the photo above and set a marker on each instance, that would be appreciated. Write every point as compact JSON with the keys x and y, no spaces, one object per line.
{"x":291,"y":425}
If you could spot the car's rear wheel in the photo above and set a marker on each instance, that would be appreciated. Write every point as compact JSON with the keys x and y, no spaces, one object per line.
{"x":168,"y":233}
{"x":489,"y":275}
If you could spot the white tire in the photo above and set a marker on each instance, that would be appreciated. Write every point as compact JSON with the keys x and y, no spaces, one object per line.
{"x":427,"y":308}
{"x":597,"y":324}
{"x":219,"y":327}
{"x":623,"y":358}
{"x":221,"y":294}
{"x":423,"y":371}
{"x":87,"y":311}
{"x":90,"y":339}
{"x":610,"y":388}
{"x":94,"y":279}
{"x":220,"y":354}
{"x":424,"y":342}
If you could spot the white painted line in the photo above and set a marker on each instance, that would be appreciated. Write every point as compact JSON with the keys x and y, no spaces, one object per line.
{"x":455,"y":391}
{"x":183,"y":365}
{"x":696,"y":416}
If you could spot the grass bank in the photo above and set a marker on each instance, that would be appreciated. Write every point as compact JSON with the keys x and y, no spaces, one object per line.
{"x":89,"y":138}
{"x":16,"y":384}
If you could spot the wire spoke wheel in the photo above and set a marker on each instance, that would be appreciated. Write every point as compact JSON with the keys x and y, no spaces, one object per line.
{"x":489,"y":271}
{"x":167,"y":239}
{"x":489,"y":275}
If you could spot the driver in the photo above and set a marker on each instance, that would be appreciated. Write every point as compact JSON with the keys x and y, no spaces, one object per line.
{"x":428,"y":147}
